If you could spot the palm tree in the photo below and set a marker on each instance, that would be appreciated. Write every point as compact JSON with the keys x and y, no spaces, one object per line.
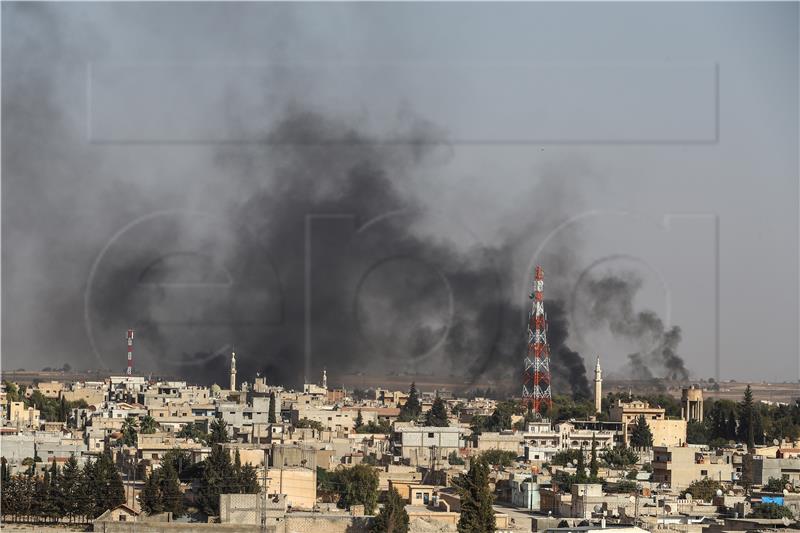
{"x":148,"y":425}
{"x":129,"y":429}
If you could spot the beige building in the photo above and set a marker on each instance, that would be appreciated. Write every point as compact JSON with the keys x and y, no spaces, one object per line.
{"x":666,"y":432}
{"x":678,"y":466}
{"x":336,"y":421}
{"x":50,"y":389}
{"x":297,"y":483}
{"x":89,"y":395}
{"x":19,"y":415}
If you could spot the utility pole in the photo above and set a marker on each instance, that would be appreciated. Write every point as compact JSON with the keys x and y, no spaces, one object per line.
{"x":264,"y":480}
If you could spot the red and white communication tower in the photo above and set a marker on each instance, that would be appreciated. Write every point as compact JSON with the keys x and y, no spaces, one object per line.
{"x":129,"y":371}
{"x":536,"y":392}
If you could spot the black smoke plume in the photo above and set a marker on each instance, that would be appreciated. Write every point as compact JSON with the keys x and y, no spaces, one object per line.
{"x":311,"y":248}
{"x":608,"y":301}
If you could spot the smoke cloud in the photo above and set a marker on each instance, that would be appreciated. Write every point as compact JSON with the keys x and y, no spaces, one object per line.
{"x":317,"y":247}
{"x":608,"y":301}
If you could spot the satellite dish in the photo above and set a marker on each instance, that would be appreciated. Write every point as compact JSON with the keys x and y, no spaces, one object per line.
{"x":689,"y":496}
{"x":667,"y":508}
{"x":786,"y":521}
{"x":730,"y":493}
{"x":775,"y":442}
{"x":719,"y":492}
{"x":632,"y":499}
{"x":785,"y":492}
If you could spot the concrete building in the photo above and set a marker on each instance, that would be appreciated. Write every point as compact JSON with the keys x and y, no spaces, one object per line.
{"x":423,"y":445}
{"x":678,"y":466}
{"x":21,"y":416}
{"x":692,"y":404}
{"x":541,"y":442}
{"x":297,"y":484}
{"x":525,"y":493}
{"x":666,"y":432}
{"x":507,"y":441}
{"x":757,"y":469}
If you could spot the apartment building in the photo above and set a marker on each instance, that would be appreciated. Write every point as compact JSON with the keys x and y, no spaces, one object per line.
{"x":678,"y":466}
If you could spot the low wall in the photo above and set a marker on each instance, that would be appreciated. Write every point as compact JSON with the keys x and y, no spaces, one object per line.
{"x":291,"y":523}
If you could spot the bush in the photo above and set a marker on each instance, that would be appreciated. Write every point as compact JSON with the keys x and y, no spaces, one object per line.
{"x":621,"y":487}
{"x":566,"y":457}
{"x":455,"y":459}
{"x":770,"y":510}
{"x":703,"y":489}
{"x":499,"y":457}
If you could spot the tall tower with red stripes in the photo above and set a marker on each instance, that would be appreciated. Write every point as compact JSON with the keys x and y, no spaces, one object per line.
{"x":536,"y":392}
{"x":129,"y":370}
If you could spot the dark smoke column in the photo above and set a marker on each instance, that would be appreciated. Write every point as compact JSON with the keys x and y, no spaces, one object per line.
{"x":536,"y":377}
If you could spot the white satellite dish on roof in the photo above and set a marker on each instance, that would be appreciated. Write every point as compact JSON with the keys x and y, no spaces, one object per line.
{"x":598,"y":508}
{"x":719,"y":492}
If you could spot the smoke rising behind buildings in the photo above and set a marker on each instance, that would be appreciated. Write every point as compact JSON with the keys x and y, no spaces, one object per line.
{"x":416,"y":254}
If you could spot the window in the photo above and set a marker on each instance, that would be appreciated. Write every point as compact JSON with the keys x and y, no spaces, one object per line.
{"x":430,"y":435}
{"x":123,"y":518}
{"x":419,"y":496}
{"x":704,"y":472}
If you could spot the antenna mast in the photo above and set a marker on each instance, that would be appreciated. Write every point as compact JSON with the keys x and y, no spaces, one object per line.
{"x":536,"y":392}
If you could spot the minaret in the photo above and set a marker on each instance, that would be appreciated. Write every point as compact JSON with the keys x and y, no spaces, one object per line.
{"x":324,"y":379}
{"x":233,"y":370}
{"x":598,"y":387}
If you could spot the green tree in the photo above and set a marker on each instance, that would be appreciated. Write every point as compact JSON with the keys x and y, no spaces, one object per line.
{"x":359,"y":421}
{"x":12,"y":391}
{"x":271,"y":417}
{"x":383,"y":426}
{"x":170,"y":490}
{"x":641,"y":436}
{"x":499,"y":457}
{"x":107,"y":490}
{"x":219,"y":432}
{"x":775,"y":484}
{"x":412,"y":408}
{"x":454,"y":459}
{"x":392,"y":517}
{"x":306,"y":423}
{"x":181,"y":461}
{"x":747,"y":419}
{"x":703,"y":489}
{"x":770,"y":510}
{"x":148,"y":425}
{"x":580,"y":467}
{"x":195,"y":432}
{"x":437,"y":415}
{"x":565,"y":457}
{"x":696,"y":433}
{"x":358,"y":485}
{"x":129,"y":432}
{"x":594,"y":468}
{"x":150,"y":497}
{"x":71,"y":487}
{"x":248,"y":480}
{"x":216,"y":480}
{"x":477,"y":514}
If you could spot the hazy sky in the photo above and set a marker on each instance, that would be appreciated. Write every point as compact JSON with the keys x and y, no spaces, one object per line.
{"x":670,"y":130}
